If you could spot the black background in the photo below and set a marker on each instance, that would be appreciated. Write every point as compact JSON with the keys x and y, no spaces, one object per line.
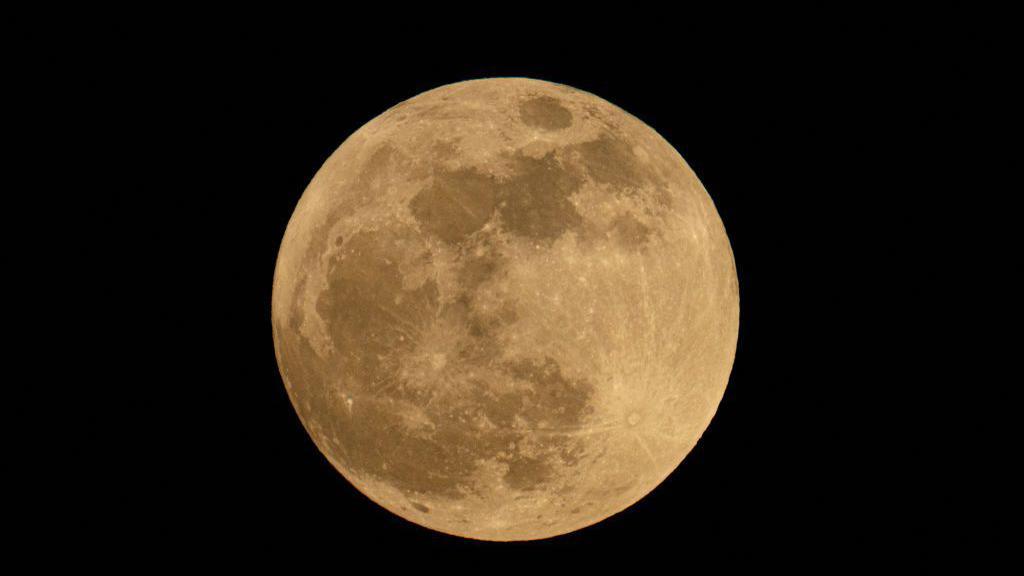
{"x":802,"y":140}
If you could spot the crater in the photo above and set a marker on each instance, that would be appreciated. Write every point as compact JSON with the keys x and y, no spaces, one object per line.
{"x":545,"y":112}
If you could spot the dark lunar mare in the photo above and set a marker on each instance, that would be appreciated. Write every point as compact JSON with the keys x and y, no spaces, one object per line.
{"x":374,"y":322}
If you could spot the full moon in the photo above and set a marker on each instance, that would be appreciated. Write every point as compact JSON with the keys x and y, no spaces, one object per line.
{"x":505,"y":309}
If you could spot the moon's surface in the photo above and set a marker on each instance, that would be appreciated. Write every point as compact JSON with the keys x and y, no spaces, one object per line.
{"x":505,"y":309}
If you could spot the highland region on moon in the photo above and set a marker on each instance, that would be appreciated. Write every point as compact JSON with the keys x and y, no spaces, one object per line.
{"x":505,"y":309}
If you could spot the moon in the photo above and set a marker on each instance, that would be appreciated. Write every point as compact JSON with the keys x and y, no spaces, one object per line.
{"x":505,"y":309}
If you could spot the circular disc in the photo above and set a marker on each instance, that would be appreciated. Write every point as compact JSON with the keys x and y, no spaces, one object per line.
{"x":505,"y":309}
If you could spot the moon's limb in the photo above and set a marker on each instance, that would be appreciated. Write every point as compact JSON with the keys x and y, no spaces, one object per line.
{"x":505,"y":309}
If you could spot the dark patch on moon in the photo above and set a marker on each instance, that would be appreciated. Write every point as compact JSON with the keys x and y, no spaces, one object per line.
{"x":366,"y":323}
{"x":374,"y":323}
{"x":610,"y":160}
{"x":376,"y":167}
{"x":556,"y":400}
{"x":456,"y":205}
{"x":378,"y":443}
{"x":629,"y":232}
{"x":545,"y":112}
{"x":526,"y":473}
{"x":533,"y":202}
